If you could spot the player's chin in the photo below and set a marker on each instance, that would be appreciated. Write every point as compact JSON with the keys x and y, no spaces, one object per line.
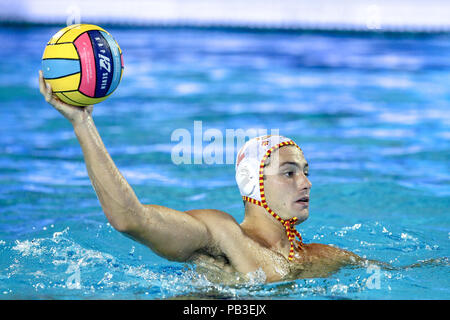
{"x":301,"y":213}
{"x":303,"y":216}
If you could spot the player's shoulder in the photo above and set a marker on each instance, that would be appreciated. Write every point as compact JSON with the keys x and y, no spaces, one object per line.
{"x":322,"y":248}
{"x":222,"y":226}
{"x":331,"y":251}
{"x":212,"y":216}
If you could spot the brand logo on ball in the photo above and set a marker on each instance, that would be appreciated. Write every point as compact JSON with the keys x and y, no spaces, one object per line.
{"x":104,"y":68}
{"x":104,"y":62}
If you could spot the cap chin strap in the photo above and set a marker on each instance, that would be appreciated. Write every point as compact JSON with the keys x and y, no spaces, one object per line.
{"x":289,"y":225}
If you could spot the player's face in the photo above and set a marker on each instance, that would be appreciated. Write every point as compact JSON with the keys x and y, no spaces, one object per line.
{"x":286,"y":185}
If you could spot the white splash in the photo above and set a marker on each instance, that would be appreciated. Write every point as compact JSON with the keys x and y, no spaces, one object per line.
{"x":256,"y":277}
{"x":406,"y":236}
{"x":27,"y":248}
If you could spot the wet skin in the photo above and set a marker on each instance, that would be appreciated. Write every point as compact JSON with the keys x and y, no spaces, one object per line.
{"x":211,"y":238}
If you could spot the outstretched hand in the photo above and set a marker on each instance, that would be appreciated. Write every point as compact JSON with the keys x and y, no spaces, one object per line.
{"x":72,"y":113}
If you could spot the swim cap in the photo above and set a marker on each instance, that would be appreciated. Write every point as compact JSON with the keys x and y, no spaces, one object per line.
{"x":250,"y":162}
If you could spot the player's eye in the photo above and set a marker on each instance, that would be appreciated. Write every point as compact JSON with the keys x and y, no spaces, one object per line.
{"x":289,"y":174}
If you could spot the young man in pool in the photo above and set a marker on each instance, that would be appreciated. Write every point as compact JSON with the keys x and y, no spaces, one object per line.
{"x":271,"y":173}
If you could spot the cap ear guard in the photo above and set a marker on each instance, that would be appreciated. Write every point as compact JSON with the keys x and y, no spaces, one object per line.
{"x":248,"y":162}
{"x":246,"y":178}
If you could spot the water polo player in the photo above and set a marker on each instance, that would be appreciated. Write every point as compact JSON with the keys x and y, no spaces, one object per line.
{"x":271,"y":173}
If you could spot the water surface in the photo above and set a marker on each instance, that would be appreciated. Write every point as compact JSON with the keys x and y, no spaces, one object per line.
{"x":371,"y":113}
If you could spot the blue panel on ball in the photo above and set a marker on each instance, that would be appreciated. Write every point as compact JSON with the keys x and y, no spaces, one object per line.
{"x":103,"y":63}
{"x":58,"y":68}
{"x":117,"y":66}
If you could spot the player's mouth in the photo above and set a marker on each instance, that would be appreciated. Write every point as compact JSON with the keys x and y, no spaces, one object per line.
{"x":303,"y":201}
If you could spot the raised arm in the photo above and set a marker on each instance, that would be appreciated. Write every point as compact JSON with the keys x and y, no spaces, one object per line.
{"x":172,"y":234}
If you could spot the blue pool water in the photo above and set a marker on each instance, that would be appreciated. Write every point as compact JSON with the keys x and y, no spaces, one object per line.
{"x":370,"y":111}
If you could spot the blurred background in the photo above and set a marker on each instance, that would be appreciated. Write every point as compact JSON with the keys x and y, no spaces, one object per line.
{"x":362,"y":86}
{"x":398,"y":15}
